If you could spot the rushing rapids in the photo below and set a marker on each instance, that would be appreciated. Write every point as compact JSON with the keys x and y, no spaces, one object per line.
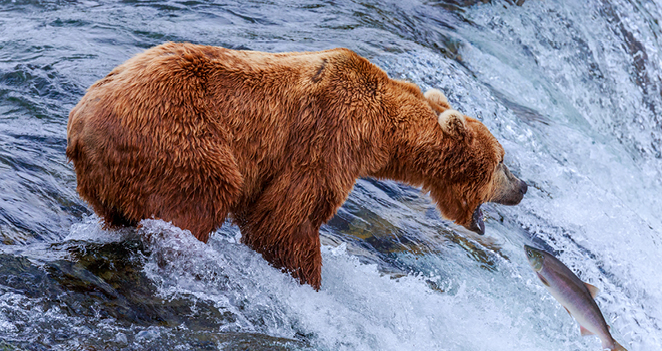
{"x":570,"y":88}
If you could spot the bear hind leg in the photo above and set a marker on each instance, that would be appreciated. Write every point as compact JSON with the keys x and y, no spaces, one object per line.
{"x":201,"y":201}
{"x":115,"y":219}
{"x":202,"y":213}
{"x":112,"y":218}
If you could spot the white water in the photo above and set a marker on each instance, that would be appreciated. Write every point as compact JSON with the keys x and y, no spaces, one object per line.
{"x":572,"y":91}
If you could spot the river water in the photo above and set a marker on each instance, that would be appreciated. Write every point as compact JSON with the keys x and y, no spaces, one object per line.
{"x":570,"y":88}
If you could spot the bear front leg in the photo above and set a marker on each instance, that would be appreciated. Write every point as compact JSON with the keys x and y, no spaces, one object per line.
{"x":298,"y":253}
{"x":283,"y":225}
{"x":293,"y":247}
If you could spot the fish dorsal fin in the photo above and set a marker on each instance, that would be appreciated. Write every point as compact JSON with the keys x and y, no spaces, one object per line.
{"x":567,"y":310}
{"x":584,"y":331}
{"x":592,"y":289}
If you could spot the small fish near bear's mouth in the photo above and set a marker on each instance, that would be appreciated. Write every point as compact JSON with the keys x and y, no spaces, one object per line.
{"x":477,"y":225}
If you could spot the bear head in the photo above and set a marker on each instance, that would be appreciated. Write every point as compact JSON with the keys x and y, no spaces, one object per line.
{"x":470,"y":170}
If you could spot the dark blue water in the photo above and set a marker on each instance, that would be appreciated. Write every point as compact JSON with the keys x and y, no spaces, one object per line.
{"x":571,"y":89}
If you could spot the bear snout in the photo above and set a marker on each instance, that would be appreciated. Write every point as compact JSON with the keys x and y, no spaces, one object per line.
{"x":514,"y":195}
{"x":523,"y":187}
{"x":509,"y":189}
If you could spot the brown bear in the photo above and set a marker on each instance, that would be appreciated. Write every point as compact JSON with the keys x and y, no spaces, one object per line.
{"x":191,"y":134}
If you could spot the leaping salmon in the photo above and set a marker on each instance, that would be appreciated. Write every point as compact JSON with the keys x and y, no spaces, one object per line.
{"x":573,"y":294}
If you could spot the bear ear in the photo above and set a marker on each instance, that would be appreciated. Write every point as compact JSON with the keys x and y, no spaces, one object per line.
{"x":437,"y":97}
{"x":453,"y":123}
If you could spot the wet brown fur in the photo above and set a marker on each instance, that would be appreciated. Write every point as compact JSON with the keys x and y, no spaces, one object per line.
{"x":192,"y":134}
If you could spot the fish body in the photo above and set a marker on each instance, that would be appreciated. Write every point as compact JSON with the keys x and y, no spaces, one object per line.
{"x":573,"y":294}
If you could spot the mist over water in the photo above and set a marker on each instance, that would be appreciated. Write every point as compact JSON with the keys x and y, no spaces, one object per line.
{"x":570,"y":88}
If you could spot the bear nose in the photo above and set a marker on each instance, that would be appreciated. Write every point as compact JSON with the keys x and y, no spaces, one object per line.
{"x":523,"y":187}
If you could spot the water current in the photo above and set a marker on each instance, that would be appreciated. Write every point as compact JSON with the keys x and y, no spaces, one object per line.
{"x":570,"y":88}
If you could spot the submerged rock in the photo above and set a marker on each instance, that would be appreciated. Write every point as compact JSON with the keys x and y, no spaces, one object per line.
{"x":101,"y":290}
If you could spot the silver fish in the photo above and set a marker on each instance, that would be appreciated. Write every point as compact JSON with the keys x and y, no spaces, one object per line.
{"x":573,"y":294}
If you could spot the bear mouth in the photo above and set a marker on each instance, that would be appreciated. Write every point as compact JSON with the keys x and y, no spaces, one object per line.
{"x":477,"y":225}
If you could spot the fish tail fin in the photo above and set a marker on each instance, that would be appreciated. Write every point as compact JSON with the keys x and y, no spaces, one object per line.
{"x":618,"y":347}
